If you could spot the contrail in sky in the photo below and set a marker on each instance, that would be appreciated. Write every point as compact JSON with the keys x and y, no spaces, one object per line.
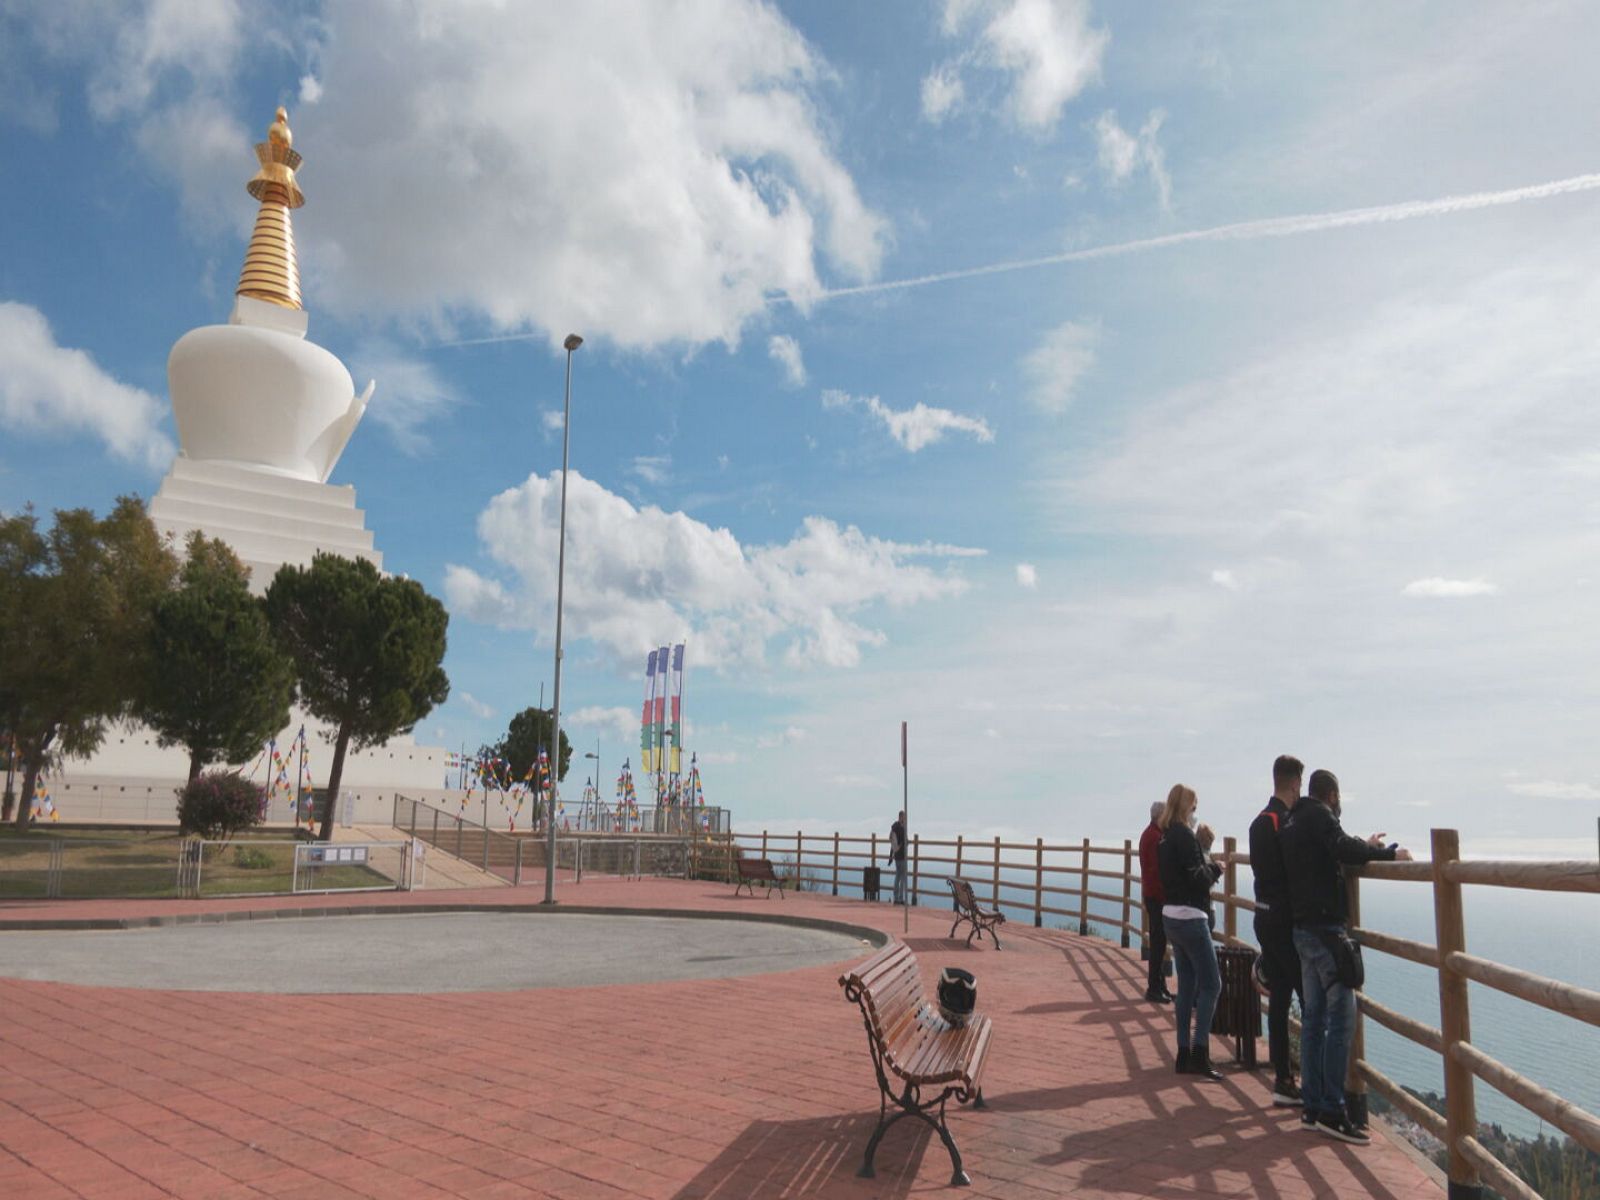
{"x":1269,"y":227}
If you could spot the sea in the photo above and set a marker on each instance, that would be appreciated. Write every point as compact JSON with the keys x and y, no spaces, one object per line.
{"x":1553,"y":934}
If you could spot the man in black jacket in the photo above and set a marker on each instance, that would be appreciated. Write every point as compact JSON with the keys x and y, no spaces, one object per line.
{"x":1274,"y":923}
{"x":1315,"y":853}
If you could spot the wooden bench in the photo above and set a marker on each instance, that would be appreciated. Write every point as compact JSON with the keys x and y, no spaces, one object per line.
{"x":928,"y":1059}
{"x":981,"y":919}
{"x":757,"y":870}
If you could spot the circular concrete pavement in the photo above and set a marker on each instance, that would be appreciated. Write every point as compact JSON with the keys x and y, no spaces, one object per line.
{"x":443,"y":952}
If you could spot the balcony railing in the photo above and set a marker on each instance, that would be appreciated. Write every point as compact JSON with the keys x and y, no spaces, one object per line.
{"x":1052,"y":879}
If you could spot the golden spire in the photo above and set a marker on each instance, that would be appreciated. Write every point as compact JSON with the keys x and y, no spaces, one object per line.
{"x":270,"y":272}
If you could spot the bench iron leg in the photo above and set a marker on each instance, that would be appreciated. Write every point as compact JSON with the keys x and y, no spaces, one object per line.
{"x":909,"y":1107}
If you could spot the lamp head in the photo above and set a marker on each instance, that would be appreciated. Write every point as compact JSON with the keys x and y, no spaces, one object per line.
{"x":572,"y":343}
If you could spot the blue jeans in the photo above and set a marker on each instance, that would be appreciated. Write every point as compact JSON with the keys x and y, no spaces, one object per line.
{"x":1327,"y":1014}
{"x":900,"y":881}
{"x":1199,"y":981}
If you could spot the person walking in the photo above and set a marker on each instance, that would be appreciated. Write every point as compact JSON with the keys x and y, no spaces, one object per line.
{"x":1274,"y":922}
{"x":1187,"y":875}
{"x":897,"y":856}
{"x":1315,"y":852}
{"x":1155,"y":988}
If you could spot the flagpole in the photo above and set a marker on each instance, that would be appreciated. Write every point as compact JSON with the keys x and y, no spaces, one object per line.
{"x":905,"y":807}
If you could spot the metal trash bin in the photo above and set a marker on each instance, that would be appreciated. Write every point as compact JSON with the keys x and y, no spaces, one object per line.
{"x":1238,"y":1012}
{"x":871,"y":878}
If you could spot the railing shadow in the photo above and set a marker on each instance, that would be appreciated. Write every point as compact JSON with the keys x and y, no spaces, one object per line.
{"x":811,"y":1156}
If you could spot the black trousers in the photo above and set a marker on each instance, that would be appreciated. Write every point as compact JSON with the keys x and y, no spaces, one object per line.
{"x":1158,"y":949}
{"x":1275,"y":936}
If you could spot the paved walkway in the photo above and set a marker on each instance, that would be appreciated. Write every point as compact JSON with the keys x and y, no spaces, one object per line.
{"x":757,"y":1086}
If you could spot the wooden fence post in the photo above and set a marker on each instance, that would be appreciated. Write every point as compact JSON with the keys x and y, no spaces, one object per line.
{"x":1455,"y":1022}
{"x":958,"y":856}
{"x":997,"y":871}
{"x":1355,"y":1084}
{"x":1038,"y":883}
{"x":1083,"y":893}
{"x":873,"y":863}
{"x":1127,"y":891}
{"x":799,"y":858}
{"x":1230,"y":889}
{"x":763,"y":843}
{"x":835,"y":862}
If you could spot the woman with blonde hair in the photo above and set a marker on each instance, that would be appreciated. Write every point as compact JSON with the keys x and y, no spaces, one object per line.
{"x":1187,"y":874}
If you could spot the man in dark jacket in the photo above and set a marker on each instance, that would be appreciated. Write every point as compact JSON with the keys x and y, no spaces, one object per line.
{"x":897,"y":856}
{"x":1274,"y":922}
{"x":1315,"y":853}
{"x":1155,"y":989}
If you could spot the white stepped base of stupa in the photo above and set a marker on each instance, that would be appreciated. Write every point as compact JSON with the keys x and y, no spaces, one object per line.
{"x":268,"y":519}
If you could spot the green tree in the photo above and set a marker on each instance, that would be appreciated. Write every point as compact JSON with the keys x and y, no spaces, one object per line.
{"x":219,"y":685}
{"x":529,"y":733}
{"x":76,"y":606}
{"x":366,"y":652}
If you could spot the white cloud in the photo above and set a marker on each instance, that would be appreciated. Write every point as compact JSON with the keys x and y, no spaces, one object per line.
{"x":551,"y":420}
{"x":473,"y":705}
{"x":1436,"y":587}
{"x":942,"y":92}
{"x":1225,"y":578}
{"x":1123,"y":153}
{"x":789,"y":736}
{"x":410,"y":392}
{"x":637,"y":574}
{"x":1046,"y":48}
{"x":785,"y":350}
{"x":1545,"y":789}
{"x":1055,"y":368}
{"x":694,"y":179}
{"x":915,"y":427}
{"x":518,"y":222}
{"x":1027,"y":575}
{"x":619,"y":722}
{"x":718,"y":758}
{"x":652,"y":468}
{"x":872,"y":783}
{"x":50,"y":389}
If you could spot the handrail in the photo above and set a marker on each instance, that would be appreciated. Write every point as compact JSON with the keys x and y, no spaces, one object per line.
{"x":1021,"y":876}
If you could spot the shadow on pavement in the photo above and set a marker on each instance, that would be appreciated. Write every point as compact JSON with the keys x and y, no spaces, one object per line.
{"x":815,"y":1156}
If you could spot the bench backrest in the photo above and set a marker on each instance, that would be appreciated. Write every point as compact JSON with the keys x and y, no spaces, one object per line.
{"x":755,"y":868}
{"x":890,"y":990}
{"x":962,"y":891}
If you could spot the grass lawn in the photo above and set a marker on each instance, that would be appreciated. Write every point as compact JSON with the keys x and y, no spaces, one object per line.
{"x":140,"y":863}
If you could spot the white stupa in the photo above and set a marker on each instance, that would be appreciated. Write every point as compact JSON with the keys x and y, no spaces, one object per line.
{"x":263,"y":415}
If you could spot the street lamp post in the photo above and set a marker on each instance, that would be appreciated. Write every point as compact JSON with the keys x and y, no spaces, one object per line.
{"x":572,"y":343}
{"x":596,"y":756}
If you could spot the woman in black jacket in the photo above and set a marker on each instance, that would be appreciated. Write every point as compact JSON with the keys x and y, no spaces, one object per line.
{"x":1187,"y":873}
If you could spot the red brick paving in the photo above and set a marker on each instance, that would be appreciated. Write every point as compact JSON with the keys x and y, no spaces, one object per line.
{"x":730,"y":1088}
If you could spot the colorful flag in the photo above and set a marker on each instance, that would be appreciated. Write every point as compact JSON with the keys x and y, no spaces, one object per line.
{"x":677,"y":707}
{"x":663,"y":681}
{"x":646,"y":724}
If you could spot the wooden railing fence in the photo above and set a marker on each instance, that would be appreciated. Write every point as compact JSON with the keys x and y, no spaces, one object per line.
{"x":1028,"y":878}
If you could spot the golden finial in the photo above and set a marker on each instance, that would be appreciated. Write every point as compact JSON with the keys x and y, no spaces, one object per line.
{"x":270,"y":272}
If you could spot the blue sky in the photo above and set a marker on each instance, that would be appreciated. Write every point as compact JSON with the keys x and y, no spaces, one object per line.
{"x":1326,"y":486}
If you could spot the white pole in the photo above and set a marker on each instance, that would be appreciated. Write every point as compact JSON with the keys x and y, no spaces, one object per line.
{"x":572,"y":343}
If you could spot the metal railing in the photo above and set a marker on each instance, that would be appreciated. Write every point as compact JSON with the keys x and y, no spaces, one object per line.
{"x":1063,"y":880}
{"x":521,"y":857}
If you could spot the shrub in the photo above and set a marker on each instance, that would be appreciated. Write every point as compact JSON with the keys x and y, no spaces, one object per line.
{"x":252,"y":858}
{"x":219,"y":804}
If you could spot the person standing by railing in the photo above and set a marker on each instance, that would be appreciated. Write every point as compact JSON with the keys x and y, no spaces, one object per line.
{"x":1187,"y":875}
{"x":1315,"y":852}
{"x":1151,"y":895}
{"x":897,"y":856}
{"x":1274,"y":921}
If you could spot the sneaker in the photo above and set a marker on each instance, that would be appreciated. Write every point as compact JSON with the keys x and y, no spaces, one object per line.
{"x":1158,"y":998}
{"x":1308,"y":1121}
{"x":1339,"y":1127}
{"x":1286,"y":1095}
